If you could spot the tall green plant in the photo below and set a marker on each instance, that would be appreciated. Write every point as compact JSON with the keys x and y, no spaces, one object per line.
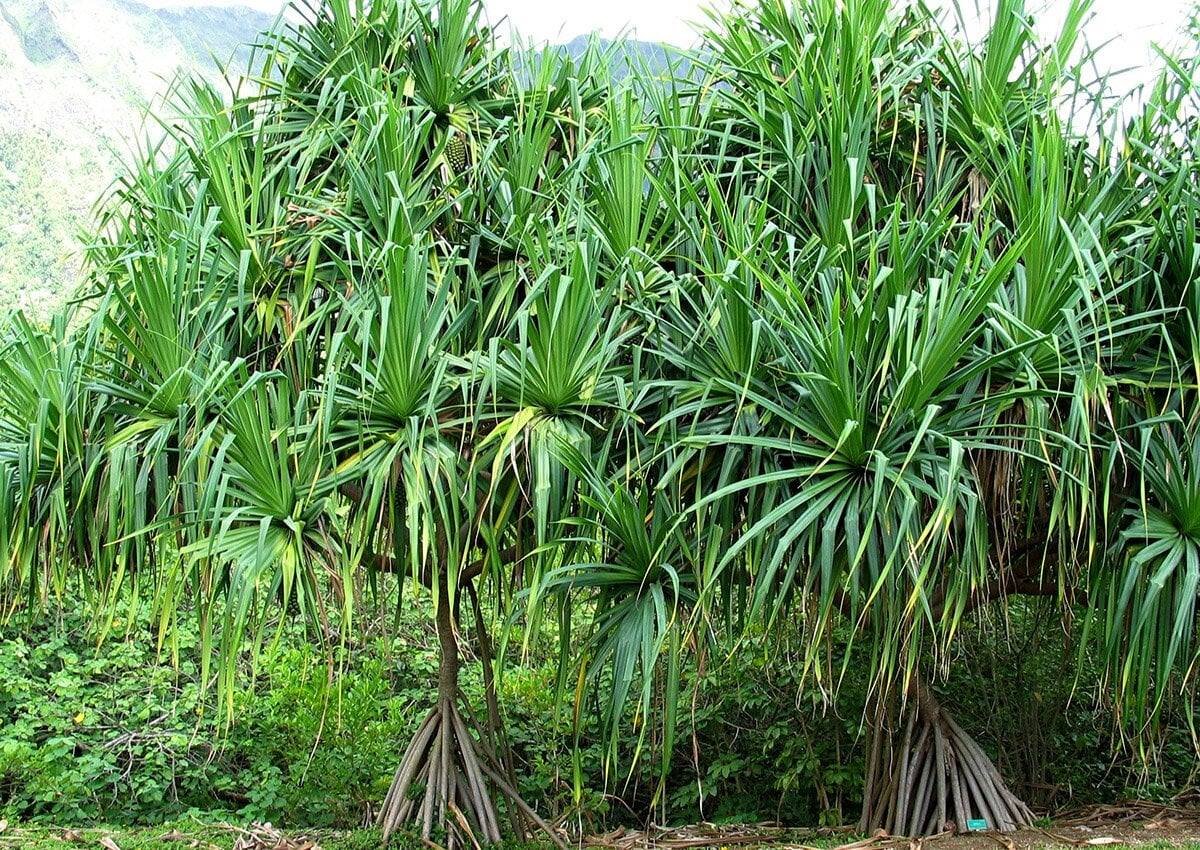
{"x":844,"y":328}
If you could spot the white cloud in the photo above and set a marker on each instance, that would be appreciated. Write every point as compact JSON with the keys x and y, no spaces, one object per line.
{"x":1128,"y":26}
{"x":270,"y":6}
{"x":1124,"y":29}
{"x":554,"y":21}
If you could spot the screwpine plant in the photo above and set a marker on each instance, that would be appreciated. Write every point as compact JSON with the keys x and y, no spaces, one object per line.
{"x":846,"y":322}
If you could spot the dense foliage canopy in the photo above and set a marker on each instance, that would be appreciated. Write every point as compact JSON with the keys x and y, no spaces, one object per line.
{"x":852,"y":324}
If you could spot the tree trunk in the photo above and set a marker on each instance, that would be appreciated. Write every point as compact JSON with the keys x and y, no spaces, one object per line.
{"x":440,"y":780}
{"x":444,"y":779}
{"x":499,"y":751}
{"x":936,"y":779}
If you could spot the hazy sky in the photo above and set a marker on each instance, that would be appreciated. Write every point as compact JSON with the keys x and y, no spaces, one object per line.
{"x":1131,"y":25}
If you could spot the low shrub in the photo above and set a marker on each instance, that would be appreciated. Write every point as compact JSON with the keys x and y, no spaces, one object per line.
{"x":114,"y":732}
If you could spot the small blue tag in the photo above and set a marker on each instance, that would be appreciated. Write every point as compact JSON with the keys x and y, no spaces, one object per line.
{"x":977,"y":825}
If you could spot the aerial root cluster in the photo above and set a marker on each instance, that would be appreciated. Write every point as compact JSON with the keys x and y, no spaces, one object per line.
{"x":939,"y":778}
{"x":443,"y":779}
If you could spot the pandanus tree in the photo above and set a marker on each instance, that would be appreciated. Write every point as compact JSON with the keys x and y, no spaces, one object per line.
{"x":333,"y":329}
{"x":846,"y":326}
{"x":912,"y":349}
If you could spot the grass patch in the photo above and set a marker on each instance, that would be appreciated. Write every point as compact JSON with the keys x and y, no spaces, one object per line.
{"x":195,"y":835}
{"x":184,"y":834}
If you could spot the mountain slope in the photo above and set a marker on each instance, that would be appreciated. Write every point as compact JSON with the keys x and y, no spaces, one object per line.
{"x":75,"y":79}
{"x":630,"y":56}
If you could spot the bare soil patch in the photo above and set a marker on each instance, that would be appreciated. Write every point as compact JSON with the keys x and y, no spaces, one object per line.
{"x":1127,"y":823}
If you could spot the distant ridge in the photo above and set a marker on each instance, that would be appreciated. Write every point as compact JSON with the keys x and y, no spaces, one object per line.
{"x":629,"y":54}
